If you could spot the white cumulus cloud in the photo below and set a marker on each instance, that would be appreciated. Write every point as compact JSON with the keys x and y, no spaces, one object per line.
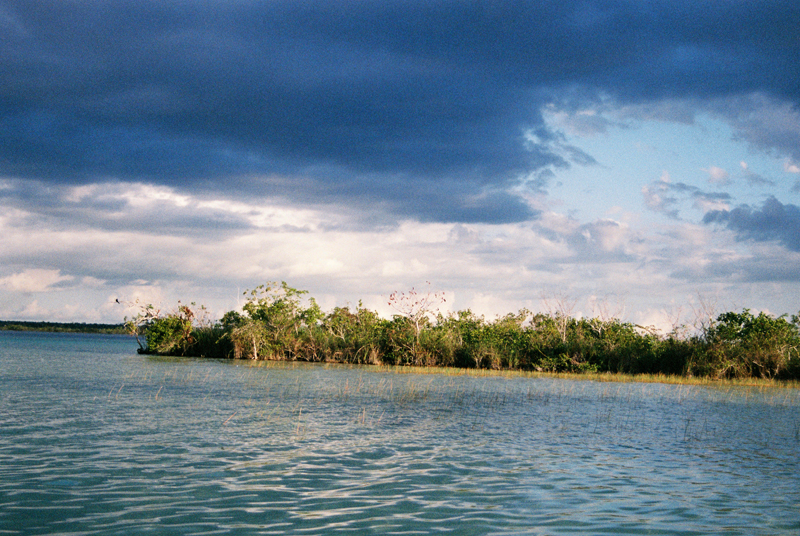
{"x":33,"y":280}
{"x":717,"y":175}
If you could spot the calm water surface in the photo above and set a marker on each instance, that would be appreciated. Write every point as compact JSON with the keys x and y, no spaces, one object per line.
{"x":95,"y":439}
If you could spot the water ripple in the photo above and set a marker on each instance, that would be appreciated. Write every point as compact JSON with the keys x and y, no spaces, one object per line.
{"x":108,"y":442}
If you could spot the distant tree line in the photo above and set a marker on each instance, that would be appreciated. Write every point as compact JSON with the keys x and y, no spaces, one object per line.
{"x":63,"y":327}
{"x":277,"y":322}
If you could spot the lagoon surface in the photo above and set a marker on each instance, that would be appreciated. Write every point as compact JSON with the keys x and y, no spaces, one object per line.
{"x":96,"y":439}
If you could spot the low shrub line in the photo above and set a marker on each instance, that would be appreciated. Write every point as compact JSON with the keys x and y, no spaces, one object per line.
{"x":277,"y":322}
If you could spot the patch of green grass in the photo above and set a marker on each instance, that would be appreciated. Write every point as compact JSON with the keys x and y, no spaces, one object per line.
{"x":611,"y":377}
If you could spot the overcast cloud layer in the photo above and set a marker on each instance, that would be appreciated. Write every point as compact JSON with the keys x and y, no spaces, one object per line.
{"x":158,"y":148}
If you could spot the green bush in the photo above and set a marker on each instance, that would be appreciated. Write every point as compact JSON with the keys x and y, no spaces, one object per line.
{"x":351,"y":337}
{"x":276,"y":323}
{"x":741,"y":345}
{"x":171,"y":334}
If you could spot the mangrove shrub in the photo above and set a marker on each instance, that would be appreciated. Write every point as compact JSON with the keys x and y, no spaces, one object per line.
{"x":279,"y":322}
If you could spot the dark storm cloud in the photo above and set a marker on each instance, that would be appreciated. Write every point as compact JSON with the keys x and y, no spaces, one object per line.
{"x":774,"y":221}
{"x":356,"y":93}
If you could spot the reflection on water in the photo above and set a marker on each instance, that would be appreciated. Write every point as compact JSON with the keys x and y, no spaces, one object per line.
{"x":95,"y":439}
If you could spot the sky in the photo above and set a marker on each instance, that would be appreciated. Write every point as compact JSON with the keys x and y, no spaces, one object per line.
{"x":636,"y":159}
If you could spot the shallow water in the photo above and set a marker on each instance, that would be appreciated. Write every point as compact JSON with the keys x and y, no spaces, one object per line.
{"x":95,"y":439}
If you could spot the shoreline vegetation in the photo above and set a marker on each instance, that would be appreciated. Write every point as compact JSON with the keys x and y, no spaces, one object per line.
{"x":279,"y":322}
{"x":64,"y":327}
{"x":602,"y":377}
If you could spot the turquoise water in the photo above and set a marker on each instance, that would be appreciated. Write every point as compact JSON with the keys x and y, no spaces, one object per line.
{"x":95,"y":439}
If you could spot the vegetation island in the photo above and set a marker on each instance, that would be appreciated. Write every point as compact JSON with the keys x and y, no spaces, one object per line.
{"x":279,"y":323}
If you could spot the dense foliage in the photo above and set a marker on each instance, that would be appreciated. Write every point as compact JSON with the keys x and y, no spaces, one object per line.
{"x":277,"y":323}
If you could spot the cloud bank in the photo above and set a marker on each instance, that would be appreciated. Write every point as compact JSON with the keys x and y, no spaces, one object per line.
{"x":386,"y":102}
{"x":773,"y":221}
{"x":153,"y":148}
